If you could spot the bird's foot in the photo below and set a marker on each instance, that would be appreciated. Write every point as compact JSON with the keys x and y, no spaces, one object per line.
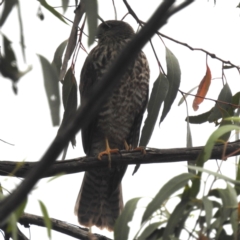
{"x":108,"y":152}
{"x":127,"y":147}
{"x":141,"y":149}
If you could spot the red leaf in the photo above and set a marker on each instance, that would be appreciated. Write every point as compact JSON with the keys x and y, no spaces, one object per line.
{"x":202,"y":89}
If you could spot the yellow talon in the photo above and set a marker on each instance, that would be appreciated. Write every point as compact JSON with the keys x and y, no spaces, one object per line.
{"x":108,"y":152}
{"x":127,"y":147}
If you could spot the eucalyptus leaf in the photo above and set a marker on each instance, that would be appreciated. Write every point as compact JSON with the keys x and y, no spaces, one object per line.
{"x":65,"y":5}
{"x":159,"y":92}
{"x":215,"y":174}
{"x":46,"y":218}
{"x":57,"y":59}
{"x":165,"y":192}
{"x":237,"y":187}
{"x":208,"y":206}
{"x":174,"y":219}
{"x":52,"y":10}
{"x":186,"y":95}
{"x":51,"y":85}
{"x":7,"y":8}
{"x":214,"y":138}
{"x":174,"y":78}
{"x":198,"y":119}
{"x":22,"y":41}
{"x":69,"y":95}
{"x":224,"y":96}
{"x":149,"y":230}
{"x":92,"y":17}
{"x":121,"y":228}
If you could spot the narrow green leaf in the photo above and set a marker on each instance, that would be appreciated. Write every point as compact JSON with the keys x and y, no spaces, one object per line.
{"x":206,"y":153}
{"x":159,"y":92}
{"x":149,"y":230}
{"x":201,"y":118}
{"x":236,"y":98}
{"x":12,"y":226}
{"x":186,"y":95}
{"x":174,"y":219}
{"x":65,"y":5}
{"x":8,"y":65}
{"x":230,"y":206}
{"x":46,"y":219}
{"x":225,"y":96}
{"x":224,"y":122}
{"x":57,"y":59}
{"x":69,"y":95}
{"x":237,"y":187}
{"x":228,"y":67}
{"x":7,"y":8}
{"x":52,"y":10}
{"x":174,"y":78}
{"x":217,"y":175}
{"x":52,"y":89}
{"x":22,"y":42}
{"x":92,"y":16}
{"x":208,"y":206}
{"x":165,"y":192}
{"x":233,"y":118}
{"x":121,"y":228}
{"x":19,"y":211}
{"x":189,"y":134}
{"x":56,"y":176}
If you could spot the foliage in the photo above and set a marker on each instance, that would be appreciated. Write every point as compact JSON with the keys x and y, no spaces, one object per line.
{"x":212,"y":217}
{"x":214,"y":209}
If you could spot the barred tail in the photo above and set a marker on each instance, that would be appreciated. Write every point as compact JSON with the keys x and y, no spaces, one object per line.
{"x":98,"y":203}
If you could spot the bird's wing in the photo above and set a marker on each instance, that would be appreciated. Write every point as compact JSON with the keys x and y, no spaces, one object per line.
{"x":87,"y":79}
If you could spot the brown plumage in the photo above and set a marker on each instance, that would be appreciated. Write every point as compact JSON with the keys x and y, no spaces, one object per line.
{"x":100,"y":200}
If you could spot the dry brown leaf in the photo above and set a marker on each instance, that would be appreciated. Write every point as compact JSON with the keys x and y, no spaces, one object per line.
{"x":202,"y":89}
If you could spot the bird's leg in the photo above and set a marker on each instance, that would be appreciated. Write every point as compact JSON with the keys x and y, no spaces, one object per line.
{"x":127,"y":147}
{"x":108,"y":152}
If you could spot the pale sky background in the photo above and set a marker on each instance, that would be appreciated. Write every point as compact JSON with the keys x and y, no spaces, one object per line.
{"x":25,"y":119}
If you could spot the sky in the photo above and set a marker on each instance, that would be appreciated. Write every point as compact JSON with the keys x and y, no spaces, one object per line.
{"x":25,"y":120}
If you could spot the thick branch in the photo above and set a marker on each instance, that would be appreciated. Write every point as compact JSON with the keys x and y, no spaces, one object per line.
{"x":124,"y":158}
{"x":62,"y":227}
{"x":90,"y":108}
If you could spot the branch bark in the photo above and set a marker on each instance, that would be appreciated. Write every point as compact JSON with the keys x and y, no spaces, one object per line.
{"x":8,"y":168}
{"x":62,"y":227}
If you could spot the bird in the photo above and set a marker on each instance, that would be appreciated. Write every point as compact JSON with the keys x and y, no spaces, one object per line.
{"x":116,"y":127}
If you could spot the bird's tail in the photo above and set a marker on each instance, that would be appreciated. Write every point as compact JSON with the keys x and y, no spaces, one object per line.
{"x":100,"y":200}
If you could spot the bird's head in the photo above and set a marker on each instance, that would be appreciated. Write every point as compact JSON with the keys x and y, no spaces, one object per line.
{"x":113,"y":31}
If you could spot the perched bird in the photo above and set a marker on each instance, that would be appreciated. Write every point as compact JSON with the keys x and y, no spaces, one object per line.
{"x":116,"y":126}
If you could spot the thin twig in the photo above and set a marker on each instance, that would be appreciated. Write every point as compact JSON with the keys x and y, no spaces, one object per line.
{"x":115,"y":10}
{"x":212,"y":55}
{"x":210,"y":99}
{"x":7,"y":142}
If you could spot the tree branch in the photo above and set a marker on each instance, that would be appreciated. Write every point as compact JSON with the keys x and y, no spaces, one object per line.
{"x":212,"y":55}
{"x":90,"y":108}
{"x":124,"y":158}
{"x":60,"y":226}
